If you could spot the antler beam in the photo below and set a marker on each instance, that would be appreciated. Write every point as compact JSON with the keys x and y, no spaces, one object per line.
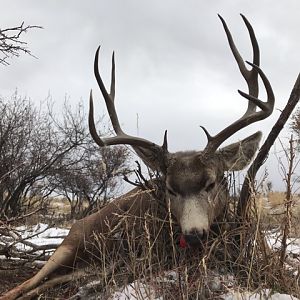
{"x":121,"y":137}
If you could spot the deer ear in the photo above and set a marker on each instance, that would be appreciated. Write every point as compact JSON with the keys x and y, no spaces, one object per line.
{"x":155,"y":160}
{"x":237,"y":156}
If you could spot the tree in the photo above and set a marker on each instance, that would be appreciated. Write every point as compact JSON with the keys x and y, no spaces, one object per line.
{"x":89,"y":175}
{"x":295,"y":123}
{"x":30,"y":147}
{"x":11,"y":43}
{"x":89,"y":182}
{"x":36,"y":147}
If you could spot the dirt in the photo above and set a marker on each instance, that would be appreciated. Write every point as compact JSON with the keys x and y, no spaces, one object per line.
{"x":14,"y":272}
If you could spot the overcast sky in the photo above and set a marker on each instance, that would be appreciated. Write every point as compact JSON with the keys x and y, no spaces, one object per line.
{"x":173,"y":65}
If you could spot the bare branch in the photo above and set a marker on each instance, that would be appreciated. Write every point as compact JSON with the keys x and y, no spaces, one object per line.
{"x":11,"y":43}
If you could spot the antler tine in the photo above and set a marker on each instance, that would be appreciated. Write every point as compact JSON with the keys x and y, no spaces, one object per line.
{"x":251,"y":78}
{"x":121,"y":137}
{"x":249,"y":75}
{"x":108,"y":97}
{"x":92,"y":127}
{"x":266,"y":107}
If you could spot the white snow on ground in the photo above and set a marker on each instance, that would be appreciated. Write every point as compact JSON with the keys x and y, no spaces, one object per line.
{"x":44,"y":235}
{"x":274,"y":241}
{"x":136,"y":291}
{"x":263,"y":295}
{"x":41,"y":235}
{"x":141,"y":291}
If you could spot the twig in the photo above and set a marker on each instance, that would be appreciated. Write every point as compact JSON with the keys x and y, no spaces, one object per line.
{"x":18,"y":218}
{"x":288,"y":201}
{"x":10,"y":43}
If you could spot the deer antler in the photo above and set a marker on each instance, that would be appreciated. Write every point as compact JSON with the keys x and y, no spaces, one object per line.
{"x":251,"y":77}
{"x":121,"y":137}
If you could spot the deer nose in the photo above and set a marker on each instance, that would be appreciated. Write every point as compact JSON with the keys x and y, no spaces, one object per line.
{"x":195,"y":237}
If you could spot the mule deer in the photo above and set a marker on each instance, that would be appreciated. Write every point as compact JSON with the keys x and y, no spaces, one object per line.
{"x":195,"y":188}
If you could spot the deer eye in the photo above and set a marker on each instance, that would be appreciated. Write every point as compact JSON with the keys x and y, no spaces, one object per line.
{"x":210,"y":186}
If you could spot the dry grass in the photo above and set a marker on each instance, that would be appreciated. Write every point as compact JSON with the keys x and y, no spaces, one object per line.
{"x":231,"y":258}
{"x":276,"y":198}
{"x":234,"y":257}
{"x":54,"y":212}
{"x":59,"y":205}
{"x":273,"y":211}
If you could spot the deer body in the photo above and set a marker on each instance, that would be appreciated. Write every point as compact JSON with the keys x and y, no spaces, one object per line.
{"x":195,"y":189}
{"x":79,"y":243}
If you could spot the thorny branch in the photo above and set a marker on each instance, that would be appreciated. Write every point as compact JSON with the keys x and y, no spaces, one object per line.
{"x":11,"y":43}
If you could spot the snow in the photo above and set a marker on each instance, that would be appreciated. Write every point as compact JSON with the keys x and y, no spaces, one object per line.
{"x":42,"y":234}
{"x":142,"y":291}
{"x":39,"y":235}
{"x":263,"y":295}
{"x":137,"y":291}
{"x":274,"y":241}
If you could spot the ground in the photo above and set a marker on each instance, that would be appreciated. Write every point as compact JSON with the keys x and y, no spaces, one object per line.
{"x":13,"y":273}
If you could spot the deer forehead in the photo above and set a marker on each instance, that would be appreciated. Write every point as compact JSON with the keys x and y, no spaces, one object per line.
{"x":189,"y":170}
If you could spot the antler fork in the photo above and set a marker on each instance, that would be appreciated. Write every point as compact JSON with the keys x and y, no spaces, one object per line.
{"x":121,"y":137}
{"x":251,"y":77}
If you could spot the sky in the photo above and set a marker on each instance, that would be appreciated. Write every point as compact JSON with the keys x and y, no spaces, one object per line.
{"x":174,"y":69}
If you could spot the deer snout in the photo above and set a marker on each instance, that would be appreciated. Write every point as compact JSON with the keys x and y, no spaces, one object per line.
{"x":195,"y":238}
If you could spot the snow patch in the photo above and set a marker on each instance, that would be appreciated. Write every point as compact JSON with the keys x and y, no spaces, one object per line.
{"x":136,"y":291}
{"x":40,"y":235}
{"x":263,"y":295}
{"x":274,"y":240}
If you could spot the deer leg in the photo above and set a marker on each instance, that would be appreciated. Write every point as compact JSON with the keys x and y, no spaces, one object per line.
{"x":62,"y":257}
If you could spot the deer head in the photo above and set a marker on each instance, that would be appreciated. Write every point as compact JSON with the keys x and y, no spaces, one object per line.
{"x":196,"y":189}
